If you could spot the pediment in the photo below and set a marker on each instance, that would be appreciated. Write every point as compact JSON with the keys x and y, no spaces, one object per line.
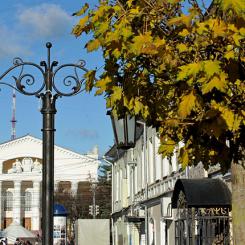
{"x":24,"y":155}
{"x":30,"y":146}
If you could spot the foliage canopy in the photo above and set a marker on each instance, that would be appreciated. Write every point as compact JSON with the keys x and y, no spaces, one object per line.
{"x":177,"y":64}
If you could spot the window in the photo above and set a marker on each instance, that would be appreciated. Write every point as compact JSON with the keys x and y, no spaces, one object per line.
{"x":27,"y":201}
{"x":8,"y":201}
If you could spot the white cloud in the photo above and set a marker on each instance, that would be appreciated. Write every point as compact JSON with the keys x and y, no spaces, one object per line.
{"x":45,"y":21}
{"x":11,"y":45}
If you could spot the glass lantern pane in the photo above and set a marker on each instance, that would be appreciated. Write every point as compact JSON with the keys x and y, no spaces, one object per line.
{"x":131,"y":129}
{"x":119,"y":126}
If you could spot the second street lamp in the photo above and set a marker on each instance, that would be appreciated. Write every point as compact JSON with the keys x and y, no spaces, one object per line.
{"x":124,"y":129}
{"x":48,"y":92}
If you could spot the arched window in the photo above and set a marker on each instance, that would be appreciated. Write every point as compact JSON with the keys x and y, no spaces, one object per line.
{"x":28,"y":197}
{"x":8,"y":202}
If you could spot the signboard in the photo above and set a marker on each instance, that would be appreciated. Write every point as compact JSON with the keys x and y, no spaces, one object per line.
{"x":59,"y":230}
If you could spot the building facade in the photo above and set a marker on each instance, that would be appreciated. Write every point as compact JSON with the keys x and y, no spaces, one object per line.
{"x":143,"y":183}
{"x":21,"y":177}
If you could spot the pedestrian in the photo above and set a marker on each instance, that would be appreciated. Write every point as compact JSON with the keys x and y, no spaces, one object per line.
{"x":17,"y":241}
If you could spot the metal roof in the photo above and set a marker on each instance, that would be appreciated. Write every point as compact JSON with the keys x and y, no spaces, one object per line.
{"x":202,"y":193}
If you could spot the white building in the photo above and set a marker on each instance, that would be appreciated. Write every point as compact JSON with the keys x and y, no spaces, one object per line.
{"x":143,"y":186}
{"x":21,"y":176}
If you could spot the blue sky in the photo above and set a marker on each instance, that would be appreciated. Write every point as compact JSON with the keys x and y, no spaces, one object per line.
{"x":25,"y":27}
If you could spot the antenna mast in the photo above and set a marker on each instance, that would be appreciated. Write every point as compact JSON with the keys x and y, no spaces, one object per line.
{"x":13,"y":121}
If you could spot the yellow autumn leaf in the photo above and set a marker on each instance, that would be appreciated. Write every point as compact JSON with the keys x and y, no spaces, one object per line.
{"x":184,"y":33}
{"x":185,"y":159}
{"x":211,"y":67}
{"x":201,"y":28}
{"x":217,"y":26}
{"x":116,"y":53}
{"x":102,"y":83}
{"x":237,"y":5}
{"x":89,"y":78}
{"x":116,"y":94}
{"x":183,"y":19}
{"x":78,"y":29}
{"x":188,"y":70}
{"x":187,"y":104}
{"x":134,"y":11}
{"x":231,"y":119}
{"x":82,"y":22}
{"x":93,"y":45}
{"x":242,"y":31}
{"x":143,"y":44}
{"x":182,"y":47}
{"x":229,"y":55}
{"x":167,"y":147}
{"x":82,"y":10}
{"x":138,"y":106}
{"x":216,"y":82}
{"x":237,"y":37}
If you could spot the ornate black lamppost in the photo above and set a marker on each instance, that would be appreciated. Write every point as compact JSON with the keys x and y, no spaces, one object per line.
{"x":48,"y":92}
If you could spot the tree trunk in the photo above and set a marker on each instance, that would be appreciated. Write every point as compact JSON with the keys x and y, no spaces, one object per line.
{"x":238,"y":201}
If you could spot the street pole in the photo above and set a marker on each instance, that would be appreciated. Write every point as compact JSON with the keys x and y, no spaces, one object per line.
{"x":94,"y":205}
{"x":48,"y":93}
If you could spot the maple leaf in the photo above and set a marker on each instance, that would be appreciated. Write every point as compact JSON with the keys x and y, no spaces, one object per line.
{"x":167,"y":147}
{"x":116,"y":94}
{"x":182,"y":47}
{"x":187,"y":104}
{"x":211,"y":67}
{"x":188,"y":70}
{"x":93,"y":45}
{"x":238,"y":6}
{"x":218,"y":82}
{"x":90,"y":78}
{"x":82,"y":10}
{"x":143,"y":44}
{"x":102,"y":85}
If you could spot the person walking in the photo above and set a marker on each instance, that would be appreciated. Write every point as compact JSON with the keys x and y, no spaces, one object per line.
{"x":17,"y":241}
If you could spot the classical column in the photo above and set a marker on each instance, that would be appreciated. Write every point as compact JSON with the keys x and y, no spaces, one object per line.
{"x":1,"y":206}
{"x":1,"y":167}
{"x":17,"y":202}
{"x":36,"y":214}
{"x":74,"y":187}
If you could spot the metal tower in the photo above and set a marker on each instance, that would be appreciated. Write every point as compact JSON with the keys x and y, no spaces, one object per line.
{"x":13,"y":121}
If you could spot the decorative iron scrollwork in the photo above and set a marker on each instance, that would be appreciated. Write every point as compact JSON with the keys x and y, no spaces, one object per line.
{"x":25,"y":81}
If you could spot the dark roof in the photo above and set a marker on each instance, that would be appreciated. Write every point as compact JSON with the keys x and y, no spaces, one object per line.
{"x":202,"y":193}
{"x":114,"y":153}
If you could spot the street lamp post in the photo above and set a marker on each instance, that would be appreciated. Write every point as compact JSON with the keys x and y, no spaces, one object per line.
{"x":48,"y":92}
